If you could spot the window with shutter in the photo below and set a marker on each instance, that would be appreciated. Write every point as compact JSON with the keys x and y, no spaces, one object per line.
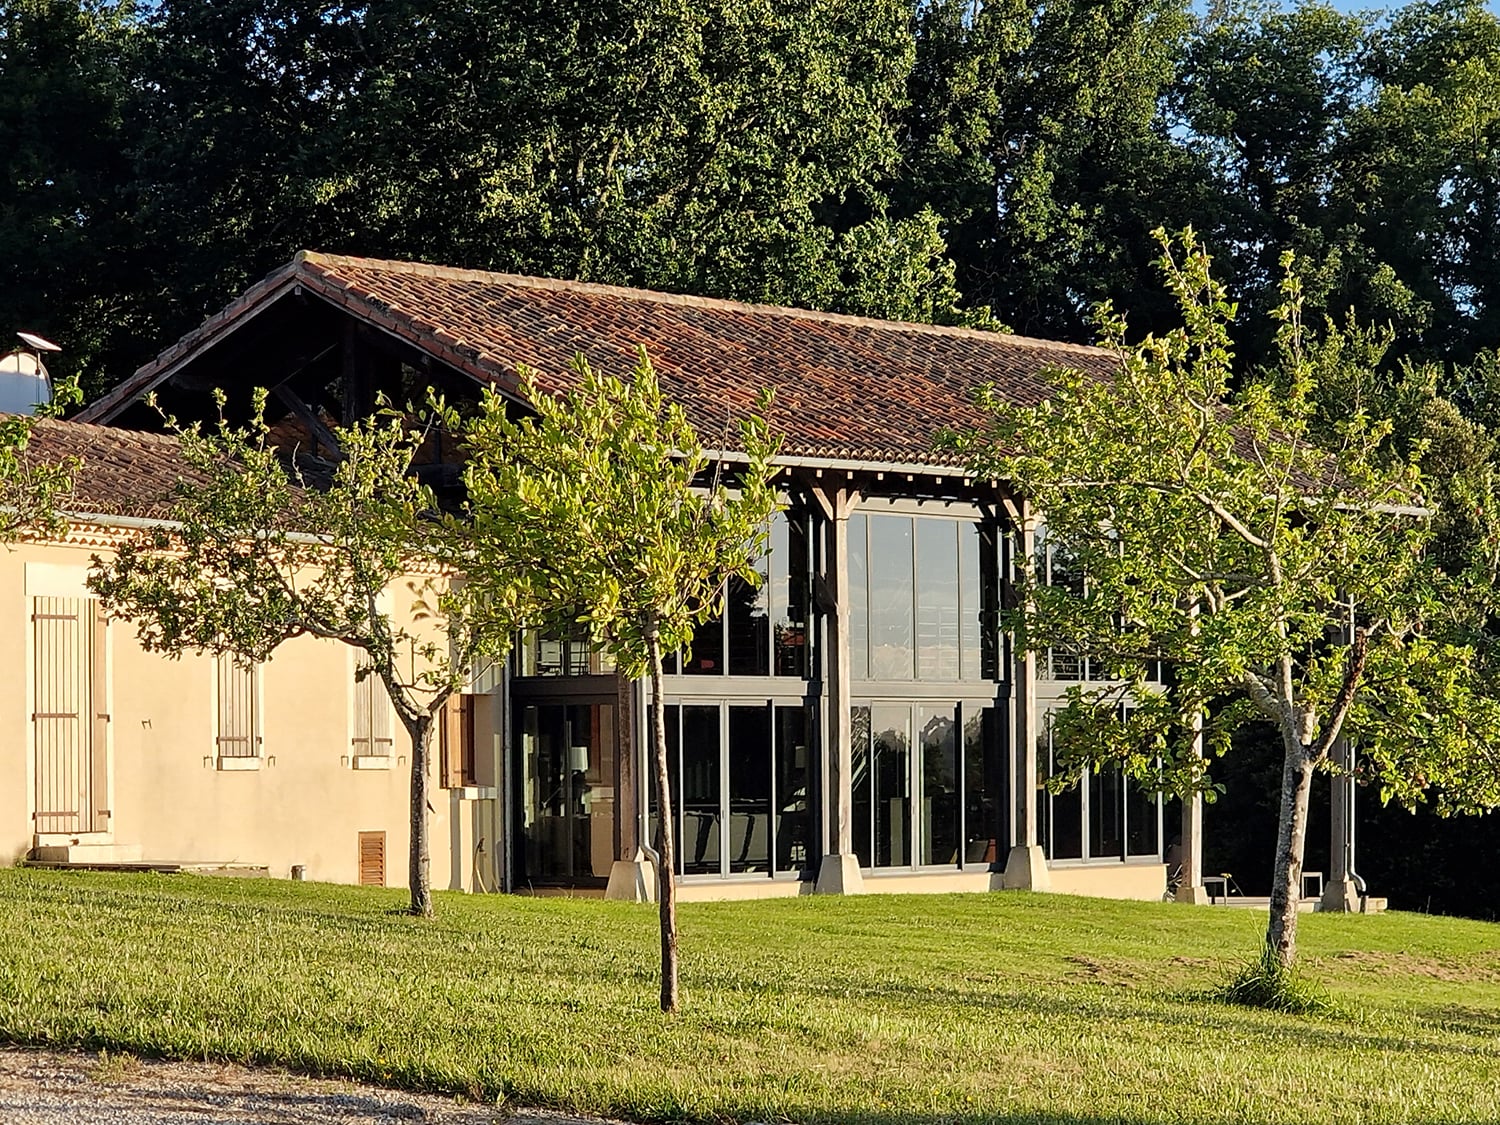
{"x":456,"y":741}
{"x":372,"y":859}
{"x":67,"y":735}
{"x":372,"y":713}
{"x":237,"y":709}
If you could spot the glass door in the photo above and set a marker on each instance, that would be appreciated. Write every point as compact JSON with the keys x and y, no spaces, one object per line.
{"x":565,"y":820}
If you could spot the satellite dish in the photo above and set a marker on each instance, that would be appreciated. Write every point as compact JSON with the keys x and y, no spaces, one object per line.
{"x":24,"y":382}
{"x":37,"y":344}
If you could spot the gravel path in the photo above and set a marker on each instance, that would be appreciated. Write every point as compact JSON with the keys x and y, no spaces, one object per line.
{"x":45,"y":1088}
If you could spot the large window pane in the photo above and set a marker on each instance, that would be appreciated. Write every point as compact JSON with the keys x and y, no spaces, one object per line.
{"x":937,"y":599}
{"x":891,"y":770}
{"x":970,"y":604}
{"x":707,"y":655}
{"x":1106,"y":812}
{"x":750,"y":625}
{"x":1142,"y":824}
{"x":789,"y":592}
{"x":859,"y":599}
{"x":793,"y":804}
{"x":674,"y":780}
{"x":984,"y":787}
{"x":939,"y":780}
{"x":863,"y":781}
{"x":700,"y":791}
{"x":890,"y":570}
{"x":1065,"y":819}
{"x":750,"y":808}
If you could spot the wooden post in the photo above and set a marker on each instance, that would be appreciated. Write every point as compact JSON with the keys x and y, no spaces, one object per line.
{"x":1026,"y":866}
{"x":839,"y":872}
{"x":631,"y":876}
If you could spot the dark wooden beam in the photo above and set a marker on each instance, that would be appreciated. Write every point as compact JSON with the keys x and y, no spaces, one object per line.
{"x":309,"y":418}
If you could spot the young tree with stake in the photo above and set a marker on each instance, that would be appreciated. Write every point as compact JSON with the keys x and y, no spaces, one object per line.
{"x":603,"y":504}
{"x":1285,"y":579}
{"x":253,"y":556}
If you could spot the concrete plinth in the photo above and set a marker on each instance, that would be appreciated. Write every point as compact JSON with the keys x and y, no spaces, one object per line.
{"x":1026,"y":869}
{"x":1194,"y":896}
{"x":1341,"y":897}
{"x":632,"y":880}
{"x":840,"y":875}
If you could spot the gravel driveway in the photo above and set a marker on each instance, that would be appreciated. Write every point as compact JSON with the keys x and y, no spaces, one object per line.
{"x":44,"y":1088}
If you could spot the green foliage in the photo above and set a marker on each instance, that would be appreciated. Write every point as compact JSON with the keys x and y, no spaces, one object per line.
{"x":1266,"y":981}
{"x":594,"y":507}
{"x":251,"y":556}
{"x":1241,"y":534}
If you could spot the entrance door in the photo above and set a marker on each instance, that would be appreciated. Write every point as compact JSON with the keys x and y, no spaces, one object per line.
{"x":67,"y":739}
{"x":565,"y":830}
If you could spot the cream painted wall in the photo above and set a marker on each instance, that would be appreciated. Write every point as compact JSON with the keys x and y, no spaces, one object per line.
{"x":305,"y":805}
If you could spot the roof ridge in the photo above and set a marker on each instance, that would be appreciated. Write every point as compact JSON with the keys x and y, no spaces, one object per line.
{"x":332,"y":263}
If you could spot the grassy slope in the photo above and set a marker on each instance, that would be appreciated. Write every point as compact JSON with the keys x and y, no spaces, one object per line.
{"x":1002,"y":1007}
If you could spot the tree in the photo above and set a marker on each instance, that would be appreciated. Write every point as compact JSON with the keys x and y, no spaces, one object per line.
{"x":252,"y":555}
{"x":1286,"y":580}
{"x":600,"y":505}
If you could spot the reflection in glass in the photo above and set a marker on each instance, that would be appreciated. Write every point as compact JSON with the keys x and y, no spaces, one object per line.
{"x":937,"y":599}
{"x":1142,"y":827}
{"x":860,"y":774}
{"x":673,"y":716}
{"x":543,"y":653}
{"x":750,"y":806}
{"x":567,"y":793}
{"x":859,"y":599}
{"x":793,"y":819}
{"x":971,"y":606}
{"x":939,"y":780}
{"x":791,"y":559}
{"x":750,"y":625}
{"x":1106,"y":812}
{"x":700,"y":791}
{"x":890,"y":579}
{"x":984,"y":786}
{"x":706,"y":657}
{"x":890,"y":747}
{"x":1065,"y":822}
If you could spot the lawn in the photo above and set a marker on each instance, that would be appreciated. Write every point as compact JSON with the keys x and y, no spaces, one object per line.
{"x":1003,"y":1007}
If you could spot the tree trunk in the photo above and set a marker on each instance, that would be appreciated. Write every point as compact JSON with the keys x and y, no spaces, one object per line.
{"x":419,"y":875}
{"x":1291,"y":843}
{"x":666,"y":870}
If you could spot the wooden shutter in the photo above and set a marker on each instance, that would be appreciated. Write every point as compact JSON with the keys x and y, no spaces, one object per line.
{"x":372,"y":859}
{"x":456,"y":739}
{"x":62,"y":718}
{"x":372,"y":713}
{"x":238,"y":720}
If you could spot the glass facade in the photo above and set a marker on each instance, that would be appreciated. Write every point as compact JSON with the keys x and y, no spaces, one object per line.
{"x":741,"y":788}
{"x":764,"y":630}
{"x":1105,"y":817}
{"x":565,"y":793}
{"x":918,"y":802}
{"x":923,"y":598}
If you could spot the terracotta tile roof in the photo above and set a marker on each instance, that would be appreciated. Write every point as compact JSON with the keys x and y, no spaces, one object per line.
{"x":847,"y":388}
{"x":121,"y":472}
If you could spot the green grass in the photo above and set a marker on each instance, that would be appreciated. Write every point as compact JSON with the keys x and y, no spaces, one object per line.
{"x":1004,"y":1007}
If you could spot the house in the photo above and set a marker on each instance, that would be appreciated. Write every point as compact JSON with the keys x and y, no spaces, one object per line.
{"x":114,"y":755}
{"x":860,"y":721}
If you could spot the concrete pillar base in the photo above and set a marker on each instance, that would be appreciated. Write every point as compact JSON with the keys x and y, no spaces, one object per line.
{"x":840,"y":875}
{"x":1341,"y":897}
{"x":632,"y":880}
{"x":1026,"y":869}
{"x":1194,"y":896}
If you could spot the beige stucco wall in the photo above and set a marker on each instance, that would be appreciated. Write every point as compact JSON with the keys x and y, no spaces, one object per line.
{"x":1144,"y":881}
{"x":305,"y":805}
